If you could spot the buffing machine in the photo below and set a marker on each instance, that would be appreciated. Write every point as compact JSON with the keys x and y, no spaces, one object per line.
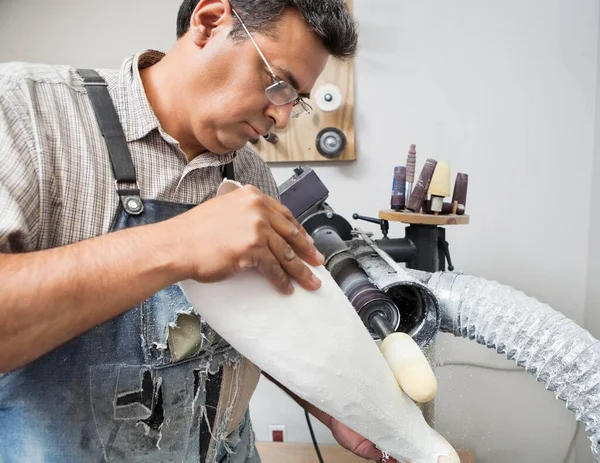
{"x":367,"y":270}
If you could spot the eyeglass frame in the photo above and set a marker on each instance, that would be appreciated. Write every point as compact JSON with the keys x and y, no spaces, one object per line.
{"x":279,"y":87}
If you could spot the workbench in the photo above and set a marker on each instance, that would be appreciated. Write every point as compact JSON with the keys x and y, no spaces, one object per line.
{"x":277,"y":452}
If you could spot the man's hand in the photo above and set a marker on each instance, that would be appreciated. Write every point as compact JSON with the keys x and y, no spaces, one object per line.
{"x":345,"y":436}
{"x":354,"y":442}
{"x":245,"y":229}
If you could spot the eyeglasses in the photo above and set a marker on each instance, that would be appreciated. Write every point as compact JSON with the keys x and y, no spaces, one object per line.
{"x":280,"y":92}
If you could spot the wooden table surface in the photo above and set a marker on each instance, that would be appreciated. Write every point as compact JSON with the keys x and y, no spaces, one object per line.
{"x":275,"y":452}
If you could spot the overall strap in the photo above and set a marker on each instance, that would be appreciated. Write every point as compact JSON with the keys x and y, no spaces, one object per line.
{"x":228,"y":172}
{"x":110,"y":126}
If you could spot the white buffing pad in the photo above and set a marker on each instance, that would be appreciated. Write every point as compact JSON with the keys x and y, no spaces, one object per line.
{"x":328,"y":97}
{"x":410,"y":367}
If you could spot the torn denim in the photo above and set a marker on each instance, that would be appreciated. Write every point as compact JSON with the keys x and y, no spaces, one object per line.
{"x":115,"y":393}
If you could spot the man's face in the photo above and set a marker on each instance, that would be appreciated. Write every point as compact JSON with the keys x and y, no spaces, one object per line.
{"x":233,"y":108}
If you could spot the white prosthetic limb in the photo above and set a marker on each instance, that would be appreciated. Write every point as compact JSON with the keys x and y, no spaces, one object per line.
{"x":315,"y":344}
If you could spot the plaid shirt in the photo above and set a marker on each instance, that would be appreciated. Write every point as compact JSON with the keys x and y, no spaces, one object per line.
{"x":56,"y":181}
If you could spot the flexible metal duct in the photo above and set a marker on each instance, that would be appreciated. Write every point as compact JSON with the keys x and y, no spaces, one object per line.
{"x":550,"y":346}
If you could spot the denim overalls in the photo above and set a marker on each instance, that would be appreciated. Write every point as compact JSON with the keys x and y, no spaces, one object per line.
{"x":115,"y":393}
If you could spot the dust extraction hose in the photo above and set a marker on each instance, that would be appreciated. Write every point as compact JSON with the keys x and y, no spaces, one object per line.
{"x":548,"y":345}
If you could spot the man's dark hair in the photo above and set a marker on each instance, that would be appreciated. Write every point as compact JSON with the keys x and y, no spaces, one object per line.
{"x":329,"y":19}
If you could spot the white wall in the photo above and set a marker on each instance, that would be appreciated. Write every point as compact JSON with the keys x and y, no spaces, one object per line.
{"x":92,"y":33}
{"x":592,"y":303}
{"x":505,"y":91}
{"x":592,"y":316}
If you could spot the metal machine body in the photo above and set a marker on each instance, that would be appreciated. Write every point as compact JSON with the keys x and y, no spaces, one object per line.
{"x":367,"y":270}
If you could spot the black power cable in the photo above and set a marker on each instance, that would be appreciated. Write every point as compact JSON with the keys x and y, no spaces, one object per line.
{"x":312,"y":435}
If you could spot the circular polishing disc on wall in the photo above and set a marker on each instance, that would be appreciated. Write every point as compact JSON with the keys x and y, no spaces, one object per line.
{"x":331,"y":142}
{"x":328,"y":97}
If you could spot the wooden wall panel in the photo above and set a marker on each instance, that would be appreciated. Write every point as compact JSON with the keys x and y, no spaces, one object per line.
{"x":297,"y":142}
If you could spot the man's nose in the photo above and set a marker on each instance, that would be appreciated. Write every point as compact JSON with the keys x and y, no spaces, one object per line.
{"x":280,"y":114}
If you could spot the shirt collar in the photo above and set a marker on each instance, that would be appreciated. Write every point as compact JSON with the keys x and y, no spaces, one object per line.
{"x":138,"y":118}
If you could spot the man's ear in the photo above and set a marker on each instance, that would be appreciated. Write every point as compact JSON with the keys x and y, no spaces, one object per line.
{"x":207,"y":16}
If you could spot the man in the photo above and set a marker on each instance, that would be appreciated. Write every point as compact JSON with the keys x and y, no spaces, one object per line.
{"x":103,"y":211}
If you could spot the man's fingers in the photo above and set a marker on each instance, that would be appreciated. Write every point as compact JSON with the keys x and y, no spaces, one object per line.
{"x":367,"y":450}
{"x":292,"y":264}
{"x":273,"y":271}
{"x":297,"y":238}
{"x":270,"y":239}
{"x":285,"y":225}
{"x":283,"y":210}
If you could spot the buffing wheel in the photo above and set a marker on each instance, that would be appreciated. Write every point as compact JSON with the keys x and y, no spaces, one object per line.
{"x":331,"y":142}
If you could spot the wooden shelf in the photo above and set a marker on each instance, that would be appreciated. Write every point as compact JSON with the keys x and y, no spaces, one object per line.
{"x":423,"y":219}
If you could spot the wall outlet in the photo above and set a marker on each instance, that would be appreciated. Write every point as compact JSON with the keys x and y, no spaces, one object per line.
{"x":277,"y":432}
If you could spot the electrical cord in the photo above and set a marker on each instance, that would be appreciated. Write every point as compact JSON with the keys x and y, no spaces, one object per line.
{"x":314,"y":439}
{"x":478,"y":365}
{"x":571,"y":448}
